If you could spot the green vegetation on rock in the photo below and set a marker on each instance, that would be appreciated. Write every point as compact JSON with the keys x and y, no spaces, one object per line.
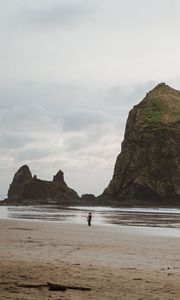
{"x":153,"y":112}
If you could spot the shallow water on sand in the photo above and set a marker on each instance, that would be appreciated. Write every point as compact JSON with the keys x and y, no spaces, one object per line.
{"x":166,"y":218}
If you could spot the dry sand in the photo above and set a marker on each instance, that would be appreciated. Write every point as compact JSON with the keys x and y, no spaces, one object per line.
{"x":116,"y":262}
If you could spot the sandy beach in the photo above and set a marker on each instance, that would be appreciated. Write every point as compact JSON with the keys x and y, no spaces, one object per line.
{"x":116,"y":262}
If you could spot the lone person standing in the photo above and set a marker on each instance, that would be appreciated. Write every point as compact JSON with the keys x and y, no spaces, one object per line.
{"x":89,"y":218}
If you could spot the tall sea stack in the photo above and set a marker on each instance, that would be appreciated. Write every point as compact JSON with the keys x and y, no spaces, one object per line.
{"x":147,"y":171}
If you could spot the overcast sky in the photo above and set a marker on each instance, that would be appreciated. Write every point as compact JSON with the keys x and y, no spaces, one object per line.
{"x":70,"y":72}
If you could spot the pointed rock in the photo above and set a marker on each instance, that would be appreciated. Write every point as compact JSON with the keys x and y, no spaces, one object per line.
{"x":21,"y":178}
{"x":59,"y":178}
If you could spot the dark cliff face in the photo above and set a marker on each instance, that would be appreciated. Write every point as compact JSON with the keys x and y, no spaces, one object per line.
{"x":28,"y":190}
{"x":21,"y":178}
{"x":147,"y":171}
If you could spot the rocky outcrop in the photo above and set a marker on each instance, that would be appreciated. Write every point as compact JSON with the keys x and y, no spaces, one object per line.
{"x":147,"y":171}
{"x":59,"y":177}
{"x":28,"y":190}
{"x":89,"y":199}
{"x":21,"y":178}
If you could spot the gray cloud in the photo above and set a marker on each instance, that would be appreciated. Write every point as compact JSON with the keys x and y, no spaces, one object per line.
{"x":75,"y":120}
{"x":31,"y":154}
{"x":74,"y":143}
{"x":30,"y":118}
{"x":65,"y":14}
{"x":14,"y":141}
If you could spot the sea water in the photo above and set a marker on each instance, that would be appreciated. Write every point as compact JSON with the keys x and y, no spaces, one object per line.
{"x":151,"y":217}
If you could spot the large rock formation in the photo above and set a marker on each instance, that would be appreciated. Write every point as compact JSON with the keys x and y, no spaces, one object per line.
{"x":147,"y":171}
{"x":28,"y":190}
{"x":21,"y":178}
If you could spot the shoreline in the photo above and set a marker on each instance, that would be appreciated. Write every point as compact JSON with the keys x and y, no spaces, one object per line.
{"x":140,"y":217}
{"x":116,"y":262}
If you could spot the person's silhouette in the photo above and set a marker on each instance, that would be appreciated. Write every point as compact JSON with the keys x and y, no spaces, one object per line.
{"x":89,"y":218}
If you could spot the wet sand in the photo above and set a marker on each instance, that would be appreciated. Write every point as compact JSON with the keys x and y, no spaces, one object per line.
{"x":116,"y":262}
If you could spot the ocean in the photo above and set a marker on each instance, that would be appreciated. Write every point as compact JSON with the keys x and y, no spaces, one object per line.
{"x":149,"y":217}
